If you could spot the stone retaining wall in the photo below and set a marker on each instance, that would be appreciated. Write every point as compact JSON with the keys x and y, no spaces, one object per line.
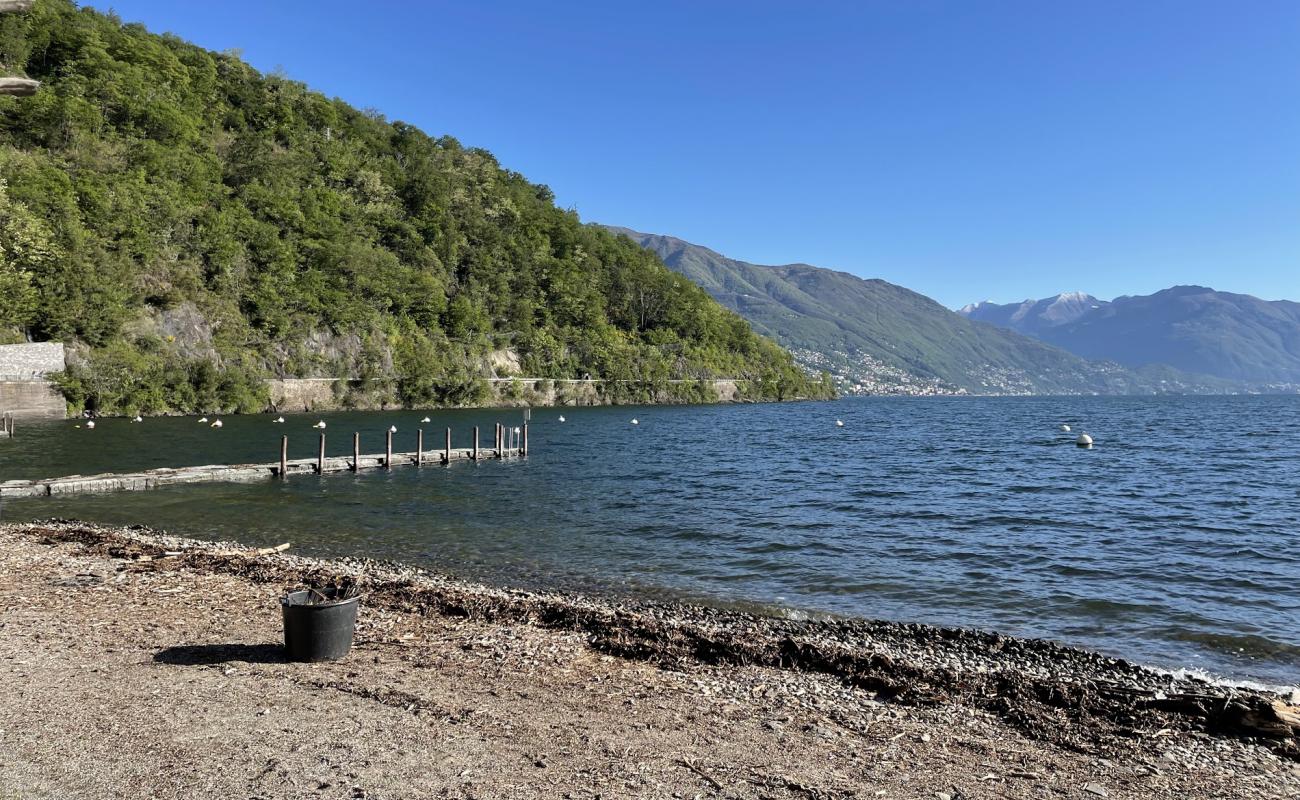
{"x":328,"y":394}
{"x":303,"y":394}
{"x":28,"y":361}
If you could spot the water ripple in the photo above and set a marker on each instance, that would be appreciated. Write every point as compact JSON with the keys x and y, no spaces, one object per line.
{"x":1178,"y":551}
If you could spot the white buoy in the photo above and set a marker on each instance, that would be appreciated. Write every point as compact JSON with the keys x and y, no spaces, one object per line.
{"x":1084,"y":440}
{"x":138,"y":418}
{"x":839,"y":423}
{"x":426,"y":419}
{"x":392,"y":429}
{"x":203,"y":419}
{"x":1065,"y":428}
{"x":279,"y":420}
{"x":561,"y":418}
{"x":320,"y":425}
{"x":216,"y":423}
{"x":90,"y":423}
{"x":636,"y":422}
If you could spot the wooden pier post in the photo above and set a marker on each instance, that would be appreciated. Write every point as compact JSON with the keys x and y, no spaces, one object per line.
{"x":388,"y":451}
{"x":523,"y":441}
{"x":419,"y":448}
{"x":446,"y":459}
{"x":284,"y":457}
{"x":320,"y":457}
{"x":476,"y":443}
{"x":501,"y":435}
{"x":356,"y":451}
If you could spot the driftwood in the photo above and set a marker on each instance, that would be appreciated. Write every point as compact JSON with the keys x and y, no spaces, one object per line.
{"x":18,"y":87}
{"x":15,"y":6}
{"x":264,"y":551}
{"x":1278,"y":720}
{"x":1247,"y":715}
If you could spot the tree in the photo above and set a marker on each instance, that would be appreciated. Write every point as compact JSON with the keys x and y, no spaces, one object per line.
{"x":26,"y":247}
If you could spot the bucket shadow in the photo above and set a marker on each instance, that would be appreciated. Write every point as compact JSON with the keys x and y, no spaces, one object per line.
{"x":190,"y":655}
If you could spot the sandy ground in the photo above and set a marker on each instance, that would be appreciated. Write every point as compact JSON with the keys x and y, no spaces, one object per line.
{"x":131,"y":677}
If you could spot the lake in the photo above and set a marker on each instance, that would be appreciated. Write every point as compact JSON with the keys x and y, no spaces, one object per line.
{"x":1174,"y":542}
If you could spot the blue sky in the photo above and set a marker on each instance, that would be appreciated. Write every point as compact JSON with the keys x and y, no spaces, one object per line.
{"x":999,"y":149}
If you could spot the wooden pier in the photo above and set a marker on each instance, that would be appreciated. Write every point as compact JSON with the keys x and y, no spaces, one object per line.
{"x":508,"y":443}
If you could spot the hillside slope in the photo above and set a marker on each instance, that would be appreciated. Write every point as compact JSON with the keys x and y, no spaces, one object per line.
{"x":192,"y":227}
{"x":884,"y":338}
{"x":1193,"y":328}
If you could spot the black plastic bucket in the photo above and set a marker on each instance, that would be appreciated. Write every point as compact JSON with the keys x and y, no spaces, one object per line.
{"x":317,"y":625}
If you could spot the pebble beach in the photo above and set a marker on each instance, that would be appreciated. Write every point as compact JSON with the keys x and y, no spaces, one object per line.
{"x":133,"y":658}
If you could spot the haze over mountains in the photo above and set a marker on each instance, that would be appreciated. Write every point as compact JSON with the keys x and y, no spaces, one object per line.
{"x":1193,"y":328}
{"x":877,"y":337}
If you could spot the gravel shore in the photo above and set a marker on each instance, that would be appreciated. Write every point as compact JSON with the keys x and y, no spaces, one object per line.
{"x":140,"y":664}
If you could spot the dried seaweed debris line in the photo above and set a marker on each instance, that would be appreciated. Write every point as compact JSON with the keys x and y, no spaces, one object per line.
{"x":1067,"y":696}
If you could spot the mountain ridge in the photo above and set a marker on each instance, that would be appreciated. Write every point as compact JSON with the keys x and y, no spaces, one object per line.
{"x":1232,"y":336}
{"x":878,"y":337}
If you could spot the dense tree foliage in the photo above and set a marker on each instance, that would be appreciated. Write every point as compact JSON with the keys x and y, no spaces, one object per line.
{"x":151,"y":181}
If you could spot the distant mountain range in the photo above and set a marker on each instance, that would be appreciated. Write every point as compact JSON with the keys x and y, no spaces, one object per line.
{"x":1032,"y":317}
{"x":876,"y":337}
{"x":1192,"y":328}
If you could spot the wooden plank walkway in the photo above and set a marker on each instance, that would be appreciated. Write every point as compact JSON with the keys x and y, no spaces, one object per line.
{"x":236,"y":473}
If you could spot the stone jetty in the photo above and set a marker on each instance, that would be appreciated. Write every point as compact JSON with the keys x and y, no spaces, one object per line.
{"x":236,"y":473}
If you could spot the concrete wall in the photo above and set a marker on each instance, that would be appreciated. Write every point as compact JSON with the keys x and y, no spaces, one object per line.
{"x":31,"y":399}
{"x":24,"y":392}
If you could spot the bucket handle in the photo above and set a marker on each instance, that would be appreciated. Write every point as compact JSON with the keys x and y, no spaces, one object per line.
{"x":327,"y":599}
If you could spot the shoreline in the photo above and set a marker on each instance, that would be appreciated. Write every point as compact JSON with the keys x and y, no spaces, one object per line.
{"x":712,"y":609}
{"x":1063,"y":696}
{"x":495,"y":404}
{"x":132,"y":658}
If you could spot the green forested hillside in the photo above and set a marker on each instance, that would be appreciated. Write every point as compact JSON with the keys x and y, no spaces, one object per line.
{"x":193,"y":226}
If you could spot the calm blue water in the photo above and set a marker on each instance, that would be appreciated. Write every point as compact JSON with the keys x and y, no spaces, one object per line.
{"x":1175,"y":541}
